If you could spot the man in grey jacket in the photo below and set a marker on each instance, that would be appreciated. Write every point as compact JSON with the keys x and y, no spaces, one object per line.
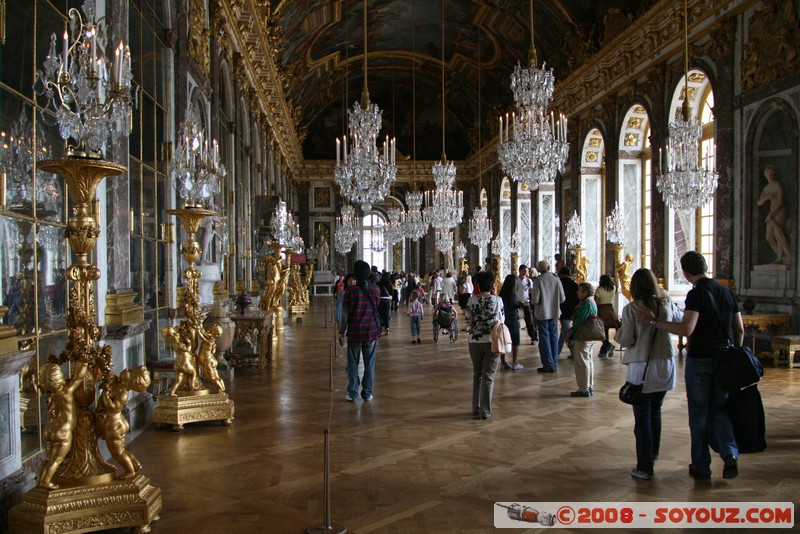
{"x":547,"y":295}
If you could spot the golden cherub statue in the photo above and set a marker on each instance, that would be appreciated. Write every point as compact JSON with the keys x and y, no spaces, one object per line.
{"x":112,"y":424}
{"x":62,"y":418}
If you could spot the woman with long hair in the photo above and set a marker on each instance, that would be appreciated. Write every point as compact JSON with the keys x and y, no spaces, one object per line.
{"x":483,"y":310}
{"x":604,"y":297}
{"x":511,"y":303}
{"x":650,"y":357}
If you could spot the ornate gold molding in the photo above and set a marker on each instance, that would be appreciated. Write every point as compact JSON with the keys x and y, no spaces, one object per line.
{"x":258,"y":46}
{"x":657,"y":32}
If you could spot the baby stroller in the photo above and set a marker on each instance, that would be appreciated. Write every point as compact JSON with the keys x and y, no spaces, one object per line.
{"x":444,"y":321}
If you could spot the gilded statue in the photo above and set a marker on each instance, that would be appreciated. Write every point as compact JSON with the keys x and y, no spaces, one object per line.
{"x":772,"y":50}
{"x":112,"y":424}
{"x":624,"y":275}
{"x":295,"y":286}
{"x":277,"y":281}
{"x":62,"y":417}
{"x":308,"y":276}
{"x":182,"y":339}
{"x":582,"y":270}
{"x":207,"y":355}
{"x":776,"y":218}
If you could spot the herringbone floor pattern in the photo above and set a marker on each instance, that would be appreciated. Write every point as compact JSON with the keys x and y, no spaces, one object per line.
{"x":415,"y":461}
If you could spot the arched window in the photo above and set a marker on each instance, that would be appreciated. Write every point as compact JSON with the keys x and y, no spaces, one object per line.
{"x":369,"y":232}
{"x":592,"y":173}
{"x":708,"y":157}
{"x":634,"y":181}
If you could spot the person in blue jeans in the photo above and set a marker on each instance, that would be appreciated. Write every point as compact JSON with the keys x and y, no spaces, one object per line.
{"x":713,"y":321}
{"x":547,"y":295}
{"x":359,"y":324}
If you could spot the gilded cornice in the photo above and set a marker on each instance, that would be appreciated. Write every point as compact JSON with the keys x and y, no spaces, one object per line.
{"x":657,"y":34}
{"x":256,"y":71}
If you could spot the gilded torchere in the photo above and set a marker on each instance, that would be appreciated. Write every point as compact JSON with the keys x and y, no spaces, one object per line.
{"x":77,"y":490}
{"x":188,"y":399}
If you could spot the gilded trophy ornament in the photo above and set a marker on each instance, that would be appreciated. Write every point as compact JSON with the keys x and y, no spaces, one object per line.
{"x":74,"y":477}
{"x":188,"y":400}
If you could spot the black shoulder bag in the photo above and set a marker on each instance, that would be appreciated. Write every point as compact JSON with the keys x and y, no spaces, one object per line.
{"x":740,"y":368}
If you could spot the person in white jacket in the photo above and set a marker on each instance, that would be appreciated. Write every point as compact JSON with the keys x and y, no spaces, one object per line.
{"x":650,"y":357}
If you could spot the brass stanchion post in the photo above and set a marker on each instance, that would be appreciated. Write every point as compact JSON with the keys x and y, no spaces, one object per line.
{"x":331,"y":352}
{"x":327,"y":527}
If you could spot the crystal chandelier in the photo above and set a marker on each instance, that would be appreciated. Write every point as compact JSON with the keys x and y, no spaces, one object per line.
{"x":686,"y":186}
{"x":196,"y":168}
{"x":346,"y":230}
{"x":444,"y":241}
{"x":615,"y":226}
{"x":415,"y":225}
{"x":444,"y":206}
{"x":378,"y":242}
{"x":90,"y":95}
{"x":364,"y":175}
{"x":574,"y":232}
{"x":393,"y":231}
{"x":284,"y":230}
{"x":532,"y":141}
{"x":480,"y":227}
{"x":18,"y":151}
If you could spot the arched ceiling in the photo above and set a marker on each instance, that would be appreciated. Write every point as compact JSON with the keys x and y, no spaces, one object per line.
{"x":322,"y":56}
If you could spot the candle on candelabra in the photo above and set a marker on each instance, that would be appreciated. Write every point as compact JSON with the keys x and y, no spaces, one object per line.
{"x":344,"y":148}
{"x":94,"y":46}
{"x":118,"y":63}
{"x":501,"y":129}
{"x":338,"y":148}
{"x":65,"y":59}
{"x":99,"y":77}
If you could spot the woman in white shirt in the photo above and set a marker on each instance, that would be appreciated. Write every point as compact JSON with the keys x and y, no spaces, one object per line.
{"x":643,"y":341}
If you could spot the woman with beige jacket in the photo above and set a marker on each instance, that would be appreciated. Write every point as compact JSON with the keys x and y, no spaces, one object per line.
{"x":657,"y":376}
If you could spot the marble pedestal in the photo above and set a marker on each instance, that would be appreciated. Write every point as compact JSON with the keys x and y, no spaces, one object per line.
{"x":10,"y":414}
{"x":771,"y":280}
{"x":117,"y":504}
{"x":202,"y":406}
{"x":211,"y":275}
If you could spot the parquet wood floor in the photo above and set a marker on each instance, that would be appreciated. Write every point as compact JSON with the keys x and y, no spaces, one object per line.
{"x":414,"y":459}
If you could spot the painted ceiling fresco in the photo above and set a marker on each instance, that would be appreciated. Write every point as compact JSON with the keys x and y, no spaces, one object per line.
{"x":322,"y":53}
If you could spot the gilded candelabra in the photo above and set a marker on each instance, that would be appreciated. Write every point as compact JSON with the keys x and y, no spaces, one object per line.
{"x":188,"y":399}
{"x":76,"y":488}
{"x":581,"y":265}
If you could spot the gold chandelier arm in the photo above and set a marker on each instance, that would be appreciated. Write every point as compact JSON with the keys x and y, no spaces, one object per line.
{"x":686,"y":110}
{"x":532,"y":51}
{"x":480,"y":131}
{"x":365,"y":93}
{"x":444,"y":155}
{"x":414,"y":86}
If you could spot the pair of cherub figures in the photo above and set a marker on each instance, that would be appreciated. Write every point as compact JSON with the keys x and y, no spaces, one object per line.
{"x":183,"y":340}
{"x":64,"y":410}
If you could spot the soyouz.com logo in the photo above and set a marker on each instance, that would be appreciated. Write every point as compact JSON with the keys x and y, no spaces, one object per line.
{"x":645,"y":514}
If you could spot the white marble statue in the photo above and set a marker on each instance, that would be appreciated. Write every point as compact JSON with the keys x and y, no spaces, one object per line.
{"x":776,"y":218}
{"x":208,"y":231}
{"x":322,"y":249}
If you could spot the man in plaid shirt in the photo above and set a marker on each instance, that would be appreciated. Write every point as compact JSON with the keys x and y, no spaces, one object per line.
{"x":360,"y":324}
